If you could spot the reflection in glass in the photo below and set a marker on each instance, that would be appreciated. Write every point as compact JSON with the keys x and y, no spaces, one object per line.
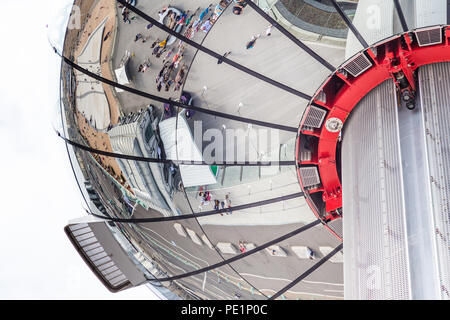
{"x":133,"y":52}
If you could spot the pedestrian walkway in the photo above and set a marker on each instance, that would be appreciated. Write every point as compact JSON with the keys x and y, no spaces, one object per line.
{"x":229,"y":248}
{"x":91,"y":98}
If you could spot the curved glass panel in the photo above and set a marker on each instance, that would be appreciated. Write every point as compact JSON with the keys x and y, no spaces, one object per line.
{"x":244,"y":86}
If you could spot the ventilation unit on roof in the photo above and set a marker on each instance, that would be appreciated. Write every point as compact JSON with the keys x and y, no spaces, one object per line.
{"x":429,"y":36}
{"x":310,"y":176}
{"x":315,"y":117}
{"x":357,"y":65}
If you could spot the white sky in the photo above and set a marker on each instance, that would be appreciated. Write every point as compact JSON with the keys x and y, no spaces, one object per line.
{"x":38,"y":190}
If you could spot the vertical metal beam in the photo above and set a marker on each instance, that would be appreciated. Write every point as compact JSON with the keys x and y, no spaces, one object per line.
{"x":401,"y":16}
{"x":299,"y":43}
{"x":307,"y":272}
{"x":350,"y":24}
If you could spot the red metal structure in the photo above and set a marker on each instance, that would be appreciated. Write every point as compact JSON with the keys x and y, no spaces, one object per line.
{"x":396,"y":58}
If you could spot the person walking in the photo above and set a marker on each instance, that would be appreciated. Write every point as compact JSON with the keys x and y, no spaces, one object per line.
{"x":163,"y":44}
{"x":252,"y":42}
{"x":239,"y":6}
{"x":156,"y":50}
{"x":219,"y":9}
{"x":161,"y":73}
{"x":168,"y":55}
{"x":145,"y":67}
{"x":196,"y":25}
{"x":160,"y":53}
{"x":179,"y":79}
{"x":228,"y":204}
{"x":310,"y":253}
{"x":159,"y":79}
{"x":205,"y":13}
{"x":216,"y":204}
{"x":126,"y":15}
{"x":176,"y":63}
{"x":202,"y":201}
{"x":172,"y":20}
{"x":269,"y":30}
{"x":168,"y":85}
{"x":107,"y":36}
{"x":224,"y":56}
{"x":189,"y":19}
{"x":156,"y":42}
{"x":175,"y":57}
{"x":206,"y":197}
{"x":206,"y":26}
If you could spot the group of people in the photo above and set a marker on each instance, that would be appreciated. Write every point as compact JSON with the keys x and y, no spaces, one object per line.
{"x":205,"y":20}
{"x":144,"y":66}
{"x":205,"y":198}
{"x":175,"y":56}
{"x":174,"y":71}
{"x":171,"y":63}
{"x":140,"y":36}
